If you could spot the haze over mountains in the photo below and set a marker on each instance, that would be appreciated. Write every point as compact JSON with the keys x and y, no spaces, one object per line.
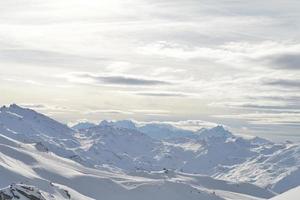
{"x":124,"y":160}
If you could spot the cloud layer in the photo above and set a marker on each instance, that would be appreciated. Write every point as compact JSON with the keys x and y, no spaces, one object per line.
{"x":227,"y":62}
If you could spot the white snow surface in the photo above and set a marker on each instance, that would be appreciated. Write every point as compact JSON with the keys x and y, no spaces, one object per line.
{"x":292,"y":194}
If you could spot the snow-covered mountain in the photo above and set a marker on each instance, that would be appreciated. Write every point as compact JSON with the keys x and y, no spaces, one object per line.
{"x":110,"y":145}
{"x":83,"y":125}
{"x":17,"y":120}
{"x":131,"y":150}
{"x":216,"y":132}
{"x":164,"y":131}
{"x":30,"y":174}
{"x":29,"y":126}
{"x":155,"y":130}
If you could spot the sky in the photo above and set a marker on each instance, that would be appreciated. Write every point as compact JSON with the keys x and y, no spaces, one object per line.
{"x":190,"y":62}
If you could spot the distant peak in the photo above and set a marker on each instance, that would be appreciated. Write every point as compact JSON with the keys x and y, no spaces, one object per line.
{"x":218,"y":131}
{"x":128,"y":124}
{"x":219,"y":128}
{"x":11,"y":106}
{"x":83,"y":125}
{"x":104,"y":123}
{"x":125,"y":124}
{"x":3,"y":107}
{"x":15,"y":106}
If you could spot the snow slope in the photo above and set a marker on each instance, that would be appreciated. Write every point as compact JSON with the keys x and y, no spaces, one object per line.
{"x":60,"y":178}
{"x":292,"y":194}
{"x":276,"y":166}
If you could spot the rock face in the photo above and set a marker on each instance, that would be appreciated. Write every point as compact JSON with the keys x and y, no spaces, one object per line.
{"x":21,"y":192}
{"x":41,"y":147}
{"x":27,"y":192}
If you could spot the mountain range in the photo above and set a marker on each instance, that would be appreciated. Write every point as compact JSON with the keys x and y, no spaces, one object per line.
{"x":46,"y":159}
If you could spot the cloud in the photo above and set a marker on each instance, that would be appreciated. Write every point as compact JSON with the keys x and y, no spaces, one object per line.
{"x":24,"y":81}
{"x":178,"y":51}
{"x":291,"y":108}
{"x":108,"y":111}
{"x":152,"y":112}
{"x":266,"y":118}
{"x":108,"y":79}
{"x":285,"y":83}
{"x":282,"y":98}
{"x":149,"y":112}
{"x":164,"y":94}
{"x":47,"y":58}
{"x":286,"y":61}
{"x":218,"y":50}
{"x":33,"y":106}
{"x":48,"y":109}
{"x":276,"y":105}
{"x":192,"y":125}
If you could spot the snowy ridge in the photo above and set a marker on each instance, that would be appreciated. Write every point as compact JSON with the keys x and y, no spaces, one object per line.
{"x":28,"y":126}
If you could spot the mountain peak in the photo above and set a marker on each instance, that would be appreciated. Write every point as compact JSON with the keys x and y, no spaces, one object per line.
{"x":219,"y":127}
{"x":216,"y":132}
{"x":83,"y":125}
{"x":25,"y":121}
{"x":13,"y":105}
{"x":125,"y":124}
{"x":105,"y":123}
{"x":128,"y":124}
{"x":16,"y":108}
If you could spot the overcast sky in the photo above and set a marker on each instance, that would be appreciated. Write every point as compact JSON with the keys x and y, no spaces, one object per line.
{"x":229,"y":62}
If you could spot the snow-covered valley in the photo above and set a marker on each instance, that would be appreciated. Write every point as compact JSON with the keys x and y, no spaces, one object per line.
{"x":43,"y":158}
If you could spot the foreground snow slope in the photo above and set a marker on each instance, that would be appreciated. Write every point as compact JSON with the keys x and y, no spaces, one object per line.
{"x":60,"y":178}
{"x":292,"y":194}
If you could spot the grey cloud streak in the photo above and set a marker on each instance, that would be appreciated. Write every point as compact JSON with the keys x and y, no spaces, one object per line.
{"x":44,"y":58}
{"x":290,"y":107}
{"x":163,"y":94}
{"x":284,"y":83}
{"x":285,"y":61}
{"x":121,"y":80}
